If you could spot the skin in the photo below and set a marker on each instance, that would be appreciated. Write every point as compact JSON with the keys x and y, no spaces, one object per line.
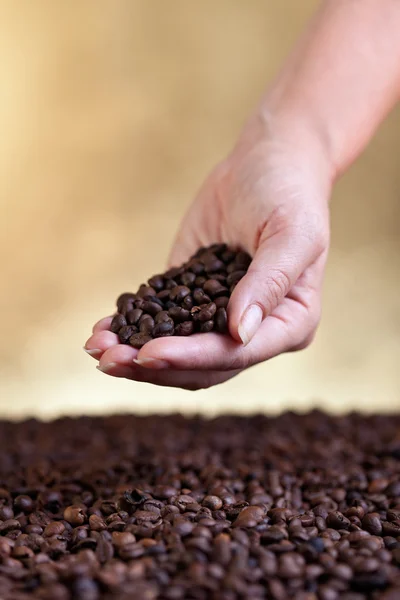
{"x":271,"y":194}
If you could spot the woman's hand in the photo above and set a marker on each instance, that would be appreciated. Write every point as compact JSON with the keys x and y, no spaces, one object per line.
{"x":269,"y":197}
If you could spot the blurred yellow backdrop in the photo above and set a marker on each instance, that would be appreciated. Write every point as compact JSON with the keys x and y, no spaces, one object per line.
{"x":111,"y":114}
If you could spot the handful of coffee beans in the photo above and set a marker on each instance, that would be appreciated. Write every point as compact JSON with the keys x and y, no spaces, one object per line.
{"x":183,"y":300}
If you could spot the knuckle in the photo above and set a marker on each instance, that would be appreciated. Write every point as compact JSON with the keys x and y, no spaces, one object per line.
{"x":274,"y":286}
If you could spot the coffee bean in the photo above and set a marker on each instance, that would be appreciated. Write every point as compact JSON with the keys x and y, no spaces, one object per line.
{"x":163,"y":317}
{"x":221,"y":320}
{"x":186,"y":303}
{"x":234,"y":277}
{"x":156,"y":282}
{"x":179,"y":314}
{"x":125,"y":298}
{"x":126,"y":332}
{"x":188,"y":279}
{"x":178,"y":293}
{"x":151,"y":308}
{"x":221,"y":301}
{"x":214,"y":288}
{"x":372,"y":523}
{"x":23,"y":503}
{"x":212,"y":502}
{"x":212,"y":264}
{"x":337,"y":520}
{"x":146,"y":325}
{"x":133,"y":316}
{"x":206,"y":327}
{"x":204,"y":312}
{"x":163,"y":329}
{"x":74,"y":515}
{"x":185,"y":328}
{"x":146,"y":290}
{"x":117,"y":322}
{"x":200,"y":297}
{"x":200,"y":281}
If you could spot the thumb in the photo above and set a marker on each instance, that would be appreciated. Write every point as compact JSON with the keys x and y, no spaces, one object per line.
{"x":276,"y":266}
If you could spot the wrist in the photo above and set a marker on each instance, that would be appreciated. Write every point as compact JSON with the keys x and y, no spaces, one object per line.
{"x":285,"y":136}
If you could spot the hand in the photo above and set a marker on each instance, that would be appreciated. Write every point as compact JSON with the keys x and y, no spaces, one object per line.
{"x":269,"y":197}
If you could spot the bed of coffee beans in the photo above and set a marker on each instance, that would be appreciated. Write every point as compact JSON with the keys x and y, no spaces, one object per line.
{"x":183,"y":300}
{"x":304,"y":507}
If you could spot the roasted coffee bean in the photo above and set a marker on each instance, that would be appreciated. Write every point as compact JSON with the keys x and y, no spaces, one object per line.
{"x":146,"y":290}
{"x":196,"y":267}
{"x":214,"y":288}
{"x":221,"y":320}
{"x":124,"y":299}
{"x":186,"y":303}
{"x":243,"y":260}
{"x":162,"y":317}
{"x":235,"y":277}
{"x":204,"y":312}
{"x":156,"y":282}
{"x":372,"y":523}
{"x":188,"y":278}
{"x":179,"y":314}
{"x":178,"y":293}
{"x":146,"y":324}
{"x":200,"y":281}
{"x":163,"y":329}
{"x":185,"y":328}
{"x":221,"y":301}
{"x":126,"y":332}
{"x":133,"y":316}
{"x":151,"y":308}
{"x":117,"y":322}
{"x":200,"y":297}
{"x":74,"y":515}
{"x":170,"y":284}
{"x":206,"y":326}
{"x":23,"y":503}
{"x":212,"y":264}
{"x":138,"y":340}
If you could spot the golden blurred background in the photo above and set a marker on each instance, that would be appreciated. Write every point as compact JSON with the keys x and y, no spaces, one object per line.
{"x":111,"y":114}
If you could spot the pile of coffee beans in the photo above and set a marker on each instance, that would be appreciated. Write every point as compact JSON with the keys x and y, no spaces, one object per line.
{"x":184,"y":300}
{"x":303,"y":507}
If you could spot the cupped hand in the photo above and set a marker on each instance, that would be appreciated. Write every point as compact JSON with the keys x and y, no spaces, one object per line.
{"x":270,"y":198}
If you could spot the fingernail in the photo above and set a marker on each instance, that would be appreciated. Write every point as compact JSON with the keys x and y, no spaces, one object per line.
{"x":151,"y":363}
{"x":106,"y":368}
{"x":95,"y":352}
{"x":249,"y":323}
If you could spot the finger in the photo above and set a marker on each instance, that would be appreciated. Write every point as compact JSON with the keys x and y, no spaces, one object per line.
{"x":277,"y":264}
{"x":286,"y":327}
{"x":102,"y":325}
{"x":99,"y":342}
{"x":118,"y":362}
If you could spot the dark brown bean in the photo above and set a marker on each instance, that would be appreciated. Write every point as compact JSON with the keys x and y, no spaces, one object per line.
{"x":185,"y":328}
{"x":133,"y":316}
{"x":126,"y":332}
{"x":156,"y":282}
{"x":221,"y":320}
{"x":163,"y":329}
{"x":138,"y":340}
{"x":151,"y":308}
{"x":206,"y":326}
{"x":117,"y":322}
{"x":179,"y":314}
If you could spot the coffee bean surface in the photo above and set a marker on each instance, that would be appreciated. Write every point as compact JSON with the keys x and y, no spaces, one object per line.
{"x":294,"y":507}
{"x":195,"y":296}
